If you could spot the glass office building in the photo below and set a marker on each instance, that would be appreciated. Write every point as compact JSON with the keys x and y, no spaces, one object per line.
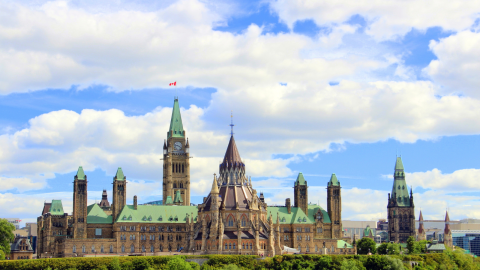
{"x":468,"y":240}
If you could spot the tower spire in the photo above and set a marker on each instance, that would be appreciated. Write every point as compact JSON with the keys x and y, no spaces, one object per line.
{"x":231,"y":123}
{"x":176,"y":126}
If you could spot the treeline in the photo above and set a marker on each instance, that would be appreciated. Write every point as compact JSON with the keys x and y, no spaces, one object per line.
{"x":447,"y":260}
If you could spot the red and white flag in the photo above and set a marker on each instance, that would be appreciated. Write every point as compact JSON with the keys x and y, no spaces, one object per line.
{"x":173,"y":83}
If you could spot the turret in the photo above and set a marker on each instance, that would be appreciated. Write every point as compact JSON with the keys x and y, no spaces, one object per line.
{"x":301,"y":193}
{"x":421,"y":229}
{"x":334,"y":205}
{"x":119,"y":193}
{"x":447,"y":237}
{"x":80,"y":197}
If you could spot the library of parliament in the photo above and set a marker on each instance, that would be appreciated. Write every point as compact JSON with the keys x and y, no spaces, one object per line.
{"x":232,"y":219}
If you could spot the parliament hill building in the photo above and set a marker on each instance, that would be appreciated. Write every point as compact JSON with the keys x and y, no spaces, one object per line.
{"x":232,"y":219}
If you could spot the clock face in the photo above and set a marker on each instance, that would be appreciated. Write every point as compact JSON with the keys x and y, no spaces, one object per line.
{"x":177,"y":146}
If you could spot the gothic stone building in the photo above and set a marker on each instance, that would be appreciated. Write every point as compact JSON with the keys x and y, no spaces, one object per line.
{"x":401,"y":210}
{"x":233,"y":218}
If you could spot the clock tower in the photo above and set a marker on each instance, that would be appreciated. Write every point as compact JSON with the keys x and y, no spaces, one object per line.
{"x":176,"y":162}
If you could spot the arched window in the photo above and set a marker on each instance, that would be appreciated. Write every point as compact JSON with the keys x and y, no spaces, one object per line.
{"x":316,"y":248}
{"x":226,"y":246}
{"x":229,"y":246}
{"x":183,"y":168}
{"x":174,"y":185}
{"x":244,"y":221}
{"x":74,"y":249}
{"x":93,"y":249}
{"x":161,"y":248}
{"x":101,"y":249}
{"x":233,"y":245}
{"x":111,"y":248}
{"x":307,"y":249}
{"x":84,"y":249}
{"x":132,"y":248}
{"x":332,"y":249}
{"x":152,"y":249}
{"x":143,"y":248}
{"x":243,"y":246}
{"x":299,"y":248}
{"x":230,"y":221}
{"x":123,"y":249}
{"x":173,"y":168}
{"x":250,"y":245}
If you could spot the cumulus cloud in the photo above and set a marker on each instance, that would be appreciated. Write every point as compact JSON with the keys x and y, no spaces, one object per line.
{"x":57,"y":45}
{"x":458,"y":63}
{"x":385,"y":19}
{"x":458,"y":181}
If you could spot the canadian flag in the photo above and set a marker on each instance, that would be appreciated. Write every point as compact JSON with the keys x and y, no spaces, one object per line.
{"x":173,"y":83}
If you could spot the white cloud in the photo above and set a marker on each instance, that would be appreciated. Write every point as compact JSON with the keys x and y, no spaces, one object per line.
{"x":57,"y":45}
{"x":459,"y":181}
{"x":458,"y":63}
{"x":385,"y":19}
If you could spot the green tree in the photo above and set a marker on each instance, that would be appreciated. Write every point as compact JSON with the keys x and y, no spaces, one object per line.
{"x":115,"y":264}
{"x":411,"y":245}
{"x":348,"y":265}
{"x":382,"y":249}
{"x":6,"y":235}
{"x":178,"y":263}
{"x":365,"y":244}
{"x":395,"y":264}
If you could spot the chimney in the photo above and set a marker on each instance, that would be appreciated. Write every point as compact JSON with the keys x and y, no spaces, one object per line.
{"x":288,"y":205}
{"x":135,"y":202}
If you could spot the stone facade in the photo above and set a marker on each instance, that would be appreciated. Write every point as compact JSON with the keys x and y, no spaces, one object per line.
{"x":21,"y":249}
{"x":401,"y":209}
{"x":233,"y":218}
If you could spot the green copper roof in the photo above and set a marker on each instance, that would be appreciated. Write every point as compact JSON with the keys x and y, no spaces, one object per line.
{"x":178,"y":197}
{"x":169,"y":200}
{"x":300,"y":180}
{"x":97,"y":215}
{"x":400,"y":188}
{"x":367,"y":231}
{"x":119,"y":176}
{"x":341,"y":244}
{"x":176,"y":126}
{"x":56,"y":208}
{"x":399,"y":164}
{"x":333,"y":181}
{"x":80,"y":173}
{"x":297,"y":216}
{"x":157,"y":213}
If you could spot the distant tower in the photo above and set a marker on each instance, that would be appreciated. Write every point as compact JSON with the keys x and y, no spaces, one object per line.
{"x":334,"y":206}
{"x":401,"y":210}
{"x":80,"y":197}
{"x":104,"y":204}
{"x":301,"y":193}
{"x":447,"y":237}
{"x":176,"y":161}
{"x":421,"y":231}
{"x":119,"y":193}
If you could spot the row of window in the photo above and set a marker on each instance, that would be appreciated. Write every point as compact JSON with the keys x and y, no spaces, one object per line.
{"x":299,"y":229}
{"x":177,"y":168}
{"x":152,"y":228}
{"x":299,"y":238}
{"x":132,"y":249}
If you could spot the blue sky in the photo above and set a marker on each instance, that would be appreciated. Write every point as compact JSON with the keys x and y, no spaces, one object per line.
{"x":320,"y":88}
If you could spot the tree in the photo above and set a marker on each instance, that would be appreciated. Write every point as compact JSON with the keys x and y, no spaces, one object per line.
{"x":6,"y":235}
{"x":365,"y":244}
{"x":388,"y":248}
{"x":411,"y":245}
